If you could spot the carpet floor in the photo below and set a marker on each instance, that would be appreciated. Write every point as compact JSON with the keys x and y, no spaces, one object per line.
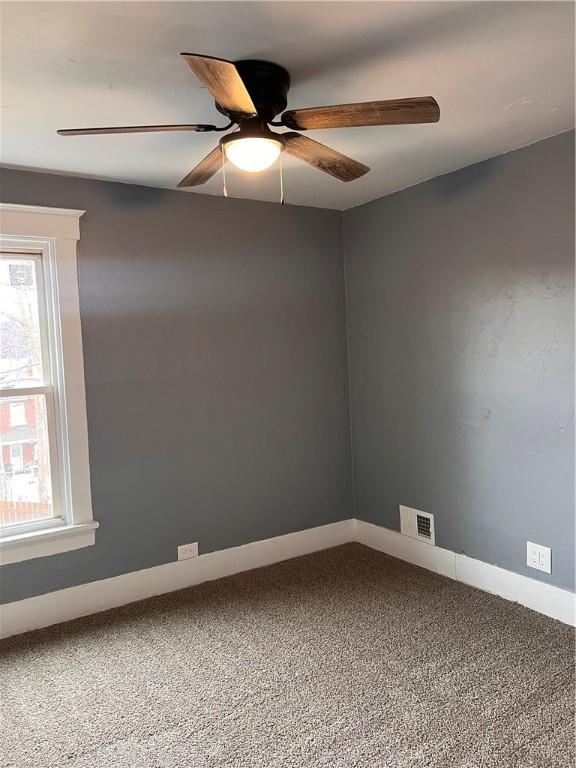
{"x":339,"y":659}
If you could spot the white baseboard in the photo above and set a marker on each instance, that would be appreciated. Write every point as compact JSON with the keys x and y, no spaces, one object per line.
{"x":544,"y":598}
{"x":74,"y":602}
{"x":405,"y":548}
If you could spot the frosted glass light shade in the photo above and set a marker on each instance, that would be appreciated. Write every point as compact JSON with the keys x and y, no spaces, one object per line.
{"x":253,"y":154}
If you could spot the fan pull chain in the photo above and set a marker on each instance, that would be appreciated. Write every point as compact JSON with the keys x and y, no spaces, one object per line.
{"x":224,"y":187}
{"x":281,"y":182}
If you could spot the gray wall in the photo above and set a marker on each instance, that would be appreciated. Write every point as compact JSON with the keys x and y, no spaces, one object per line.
{"x":215,"y":359}
{"x":460,"y":314}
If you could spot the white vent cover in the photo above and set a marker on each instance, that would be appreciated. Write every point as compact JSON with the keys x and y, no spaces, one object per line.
{"x":416,"y":524}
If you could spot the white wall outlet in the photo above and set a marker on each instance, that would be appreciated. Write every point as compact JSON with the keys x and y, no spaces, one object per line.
{"x":186,"y":551}
{"x":539,"y":557}
{"x":418,"y":525}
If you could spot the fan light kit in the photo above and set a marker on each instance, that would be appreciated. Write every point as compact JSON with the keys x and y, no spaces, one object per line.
{"x":250,"y":94}
{"x":253,"y":154}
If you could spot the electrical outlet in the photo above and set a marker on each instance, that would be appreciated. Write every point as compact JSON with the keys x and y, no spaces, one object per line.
{"x":186,"y":551}
{"x":539,"y":557}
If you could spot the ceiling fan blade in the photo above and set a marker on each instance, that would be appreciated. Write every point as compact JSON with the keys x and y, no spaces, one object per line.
{"x":205,"y":169}
{"x":135,"y":129}
{"x":223,"y":81}
{"x":394,"y":112}
{"x":324,"y":158}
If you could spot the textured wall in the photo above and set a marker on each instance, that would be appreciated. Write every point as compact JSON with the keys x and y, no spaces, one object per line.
{"x":215,"y":359}
{"x":214,"y":343}
{"x":460,"y":308}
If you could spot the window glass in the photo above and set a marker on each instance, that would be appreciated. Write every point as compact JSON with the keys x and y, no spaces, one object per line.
{"x":25,"y":476}
{"x":20,"y":328}
{"x":27,"y":397}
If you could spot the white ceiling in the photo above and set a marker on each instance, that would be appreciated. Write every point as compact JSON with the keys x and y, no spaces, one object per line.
{"x":502,"y":72}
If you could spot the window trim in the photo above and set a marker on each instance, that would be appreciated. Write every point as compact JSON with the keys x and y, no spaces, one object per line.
{"x":56,"y":231}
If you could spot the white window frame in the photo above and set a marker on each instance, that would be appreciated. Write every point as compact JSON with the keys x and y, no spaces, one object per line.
{"x":54,"y":233}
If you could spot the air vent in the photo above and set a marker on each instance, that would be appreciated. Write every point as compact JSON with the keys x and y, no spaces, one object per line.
{"x":416,"y":524}
{"x":423,"y":526}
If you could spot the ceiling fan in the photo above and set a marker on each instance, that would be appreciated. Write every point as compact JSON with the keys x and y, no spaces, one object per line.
{"x":250,"y":94}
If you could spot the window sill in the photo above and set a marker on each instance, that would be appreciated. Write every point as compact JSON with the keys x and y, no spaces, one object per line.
{"x":49,"y":541}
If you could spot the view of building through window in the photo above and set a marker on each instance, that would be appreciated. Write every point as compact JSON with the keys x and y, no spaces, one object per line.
{"x":25,"y":468}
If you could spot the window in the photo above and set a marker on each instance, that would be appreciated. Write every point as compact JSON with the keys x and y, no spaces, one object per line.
{"x":45,"y":504}
{"x":17,"y":410}
{"x":16,"y":458}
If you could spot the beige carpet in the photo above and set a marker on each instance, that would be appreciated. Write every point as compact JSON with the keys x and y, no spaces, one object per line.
{"x":343,"y":658}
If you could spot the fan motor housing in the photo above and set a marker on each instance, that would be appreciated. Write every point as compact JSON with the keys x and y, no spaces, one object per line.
{"x":268,"y":86}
